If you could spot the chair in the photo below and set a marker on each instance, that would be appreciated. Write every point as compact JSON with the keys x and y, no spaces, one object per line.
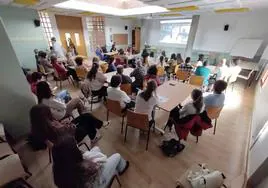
{"x":126,"y":88}
{"x":115,"y":108}
{"x":138,"y":121}
{"x":196,"y":80}
{"x":115,"y":177}
{"x":214,"y":113}
{"x":81,"y":73}
{"x":182,"y":75}
{"x":161,"y":73}
{"x":43,"y":71}
{"x":61,"y":78}
{"x":104,"y":67}
{"x":247,"y":76}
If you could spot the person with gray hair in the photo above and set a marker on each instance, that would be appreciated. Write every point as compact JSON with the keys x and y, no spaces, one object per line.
{"x":138,"y":73}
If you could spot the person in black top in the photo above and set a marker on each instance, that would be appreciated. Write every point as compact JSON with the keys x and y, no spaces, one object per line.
{"x":125,"y":79}
{"x":113,"y":47}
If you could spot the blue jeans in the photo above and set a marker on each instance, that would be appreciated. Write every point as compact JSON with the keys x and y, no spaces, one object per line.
{"x":114,"y":164}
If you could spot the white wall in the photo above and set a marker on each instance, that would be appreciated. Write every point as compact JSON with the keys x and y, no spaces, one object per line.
{"x":117,"y":25}
{"x":211,"y":36}
{"x":16,"y":99}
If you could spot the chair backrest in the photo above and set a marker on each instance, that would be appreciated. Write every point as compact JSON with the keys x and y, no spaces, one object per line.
{"x":81,"y":73}
{"x":160,"y":71}
{"x":213,"y":112}
{"x":126,"y":88}
{"x":176,"y":69}
{"x":182,"y":75}
{"x":114,"y":107}
{"x":196,"y":80}
{"x":104,"y":67}
{"x":42,"y":69}
{"x":137,"y":120}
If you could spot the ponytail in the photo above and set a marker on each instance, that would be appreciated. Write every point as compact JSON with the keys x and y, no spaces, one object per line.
{"x":151,"y":87}
{"x":197,"y":97}
{"x":93,"y":71}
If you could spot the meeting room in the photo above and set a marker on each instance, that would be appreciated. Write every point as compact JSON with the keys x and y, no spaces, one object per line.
{"x":133,"y":94}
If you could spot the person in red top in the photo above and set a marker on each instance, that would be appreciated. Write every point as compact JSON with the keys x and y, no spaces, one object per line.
{"x":61,"y":70}
{"x":35,"y":78}
{"x":152,"y":75}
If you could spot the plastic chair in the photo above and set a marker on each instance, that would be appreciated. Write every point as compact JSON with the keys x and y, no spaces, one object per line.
{"x":196,"y":80}
{"x":214,"y":113}
{"x":61,"y":78}
{"x":81,"y":73}
{"x":43,"y":71}
{"x":138,"y":121}
{"x":182,"y":75}
{"x":126,"y":88}
{"x":115,"y":108}
{"x":248,"y":77}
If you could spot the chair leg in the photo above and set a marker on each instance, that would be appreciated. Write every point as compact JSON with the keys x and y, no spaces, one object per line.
{"x":122,"y":126}
{"x":50,"y":156}
{"x":60,"y":84}
{"x":125,"y":134}
{"x":91,"y":103}
{"x":118,"y":181}
{"x":215,"y":126}
{"x":148,"y":138}
{"x":83,"y":143}
{"x":196,"y":139}
{"x":107,"y":115}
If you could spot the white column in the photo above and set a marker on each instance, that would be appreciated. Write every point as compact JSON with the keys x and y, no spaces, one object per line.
{"x":16,"y":99}
{"x":191,"y":37}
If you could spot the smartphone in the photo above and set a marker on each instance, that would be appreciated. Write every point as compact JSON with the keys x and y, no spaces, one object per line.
{"x":172,"y":84}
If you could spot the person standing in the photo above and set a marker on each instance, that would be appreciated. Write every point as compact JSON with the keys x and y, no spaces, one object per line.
{"x":57,"y":48}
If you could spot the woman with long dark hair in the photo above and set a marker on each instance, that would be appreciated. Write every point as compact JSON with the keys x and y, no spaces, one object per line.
{"x":147,"y":99}
{"x":92,"y":169}
{"x":96,"y":81}
{"x":196,"y":106}
{"x":45,"y":128}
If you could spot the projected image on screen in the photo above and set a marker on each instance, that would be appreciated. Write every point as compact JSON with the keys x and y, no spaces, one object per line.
{"x":175,"y":31}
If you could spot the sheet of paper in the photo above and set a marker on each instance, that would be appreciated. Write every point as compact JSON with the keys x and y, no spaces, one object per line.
{"x":163,"y":99}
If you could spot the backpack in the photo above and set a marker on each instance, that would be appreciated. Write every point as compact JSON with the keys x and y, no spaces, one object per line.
{"x":171,"y":147}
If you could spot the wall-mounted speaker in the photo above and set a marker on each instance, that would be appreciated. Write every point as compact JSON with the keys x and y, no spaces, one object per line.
{"x":126,"y":27}
{"x":37,"y":23}
{"x":226,"y":27}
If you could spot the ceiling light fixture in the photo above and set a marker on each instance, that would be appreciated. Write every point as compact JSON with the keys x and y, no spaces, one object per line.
{"x":89,"y":7}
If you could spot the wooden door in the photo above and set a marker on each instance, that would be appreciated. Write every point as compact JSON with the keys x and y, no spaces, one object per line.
{"x":71,"y":27}
{"x":138,"y":38}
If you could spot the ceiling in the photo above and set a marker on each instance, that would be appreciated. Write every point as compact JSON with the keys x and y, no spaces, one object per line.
{"x":184,"y":8}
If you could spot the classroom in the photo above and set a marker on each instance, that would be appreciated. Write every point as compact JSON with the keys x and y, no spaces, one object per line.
{"x":133,"y":94}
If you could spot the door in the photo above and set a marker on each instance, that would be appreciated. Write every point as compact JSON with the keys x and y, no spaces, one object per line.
{"x":71,"y":33}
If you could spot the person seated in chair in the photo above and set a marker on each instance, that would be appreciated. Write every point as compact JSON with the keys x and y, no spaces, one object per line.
{"x":73,"y":168}
{"x":58,"y":107}
{"x":152,"y":75}
{"x":116,"y":94}
{"x":196,"y":106}
{"x":35,"y":78}
{"x":138,"y":73}
{"x":125,"y":79}
{"x":217,"y":98}
{"x":96,"y":82}
{"x":62,"y":71}
{"x":187,"y":65}
{"x":111,"y":65}
{"x":80,"y":66}
{"x":204,"y":72}
{"x":46,"y":130}
{"x":146,"y":100}
{"x":42,"y":59}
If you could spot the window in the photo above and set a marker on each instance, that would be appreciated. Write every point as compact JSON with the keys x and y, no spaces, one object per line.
{"x":77,"y":39}
{"x":96,"y":31}
{"x":175,"y":31}
{"x":46,"y":24}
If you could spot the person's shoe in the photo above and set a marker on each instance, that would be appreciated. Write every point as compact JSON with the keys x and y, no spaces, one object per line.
{"x":96,"y":139}
{"x":125,"y":169}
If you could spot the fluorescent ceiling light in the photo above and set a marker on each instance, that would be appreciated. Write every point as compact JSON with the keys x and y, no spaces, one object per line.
{"x":84,"y":6}
{"x":176,"y":21}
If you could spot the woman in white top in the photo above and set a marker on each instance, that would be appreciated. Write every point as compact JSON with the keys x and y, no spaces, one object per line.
{"x":146,"y":100}
{"x":97,"y":80}
{"x":196,"y":106}
{"x":58,"y":108}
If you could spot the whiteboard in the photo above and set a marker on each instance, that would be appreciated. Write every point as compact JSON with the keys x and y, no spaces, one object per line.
{"x":265,"y":54}
{"x":246,"y":48}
